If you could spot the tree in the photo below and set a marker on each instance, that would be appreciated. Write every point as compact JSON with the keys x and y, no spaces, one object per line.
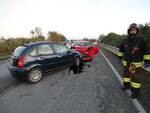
{"x":32,"y":33}
{"x":86,"y":39}
{"x":40,"y":38}
{"x":55,"y":36}
{"x":115,"y":39}
{"x":38,"y":31}
{"x":37,"y":34}
{"x":112,"y":39}
{"x":101,"y":37}
{"x":2,"y":39}
{"x":145,"y":32}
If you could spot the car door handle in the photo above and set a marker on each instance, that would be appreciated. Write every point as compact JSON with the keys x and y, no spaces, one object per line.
{"x":40,"y":58}
{"x":59,"y":56}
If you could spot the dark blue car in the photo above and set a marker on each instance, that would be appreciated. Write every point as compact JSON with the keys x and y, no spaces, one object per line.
{"x":32,"y":60}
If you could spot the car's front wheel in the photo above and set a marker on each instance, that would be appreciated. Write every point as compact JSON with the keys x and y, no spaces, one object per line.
{"x":35,"y":75}
{"x":77,"y":66}
{"x":77,"y":62}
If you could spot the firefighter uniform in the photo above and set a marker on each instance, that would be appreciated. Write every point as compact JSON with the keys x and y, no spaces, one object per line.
{"x":133,"y":51}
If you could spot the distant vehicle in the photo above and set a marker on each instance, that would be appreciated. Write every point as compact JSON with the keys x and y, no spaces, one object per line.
{"x":33,"y":60}
{"x":86,"y":49}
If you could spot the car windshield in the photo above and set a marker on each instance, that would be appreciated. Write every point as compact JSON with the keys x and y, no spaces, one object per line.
{"x":18,"y":51}
{"x":94,"y":43}
{"x":82,"y":44}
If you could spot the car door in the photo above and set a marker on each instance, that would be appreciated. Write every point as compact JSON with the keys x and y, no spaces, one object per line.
{"x":46,"y":57}
{"x":64,"y":54}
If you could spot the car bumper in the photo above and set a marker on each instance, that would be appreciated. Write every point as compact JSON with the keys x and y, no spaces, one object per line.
{"x":86,"y":57}
{"x":17,"y":72}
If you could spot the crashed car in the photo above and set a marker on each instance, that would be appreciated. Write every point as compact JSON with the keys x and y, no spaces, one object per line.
{"x":86,"y":49}
{"x":96,"y":47}
{"x":31,"y":61}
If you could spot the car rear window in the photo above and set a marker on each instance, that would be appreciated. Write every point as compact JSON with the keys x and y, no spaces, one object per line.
{"x":18,"y":51}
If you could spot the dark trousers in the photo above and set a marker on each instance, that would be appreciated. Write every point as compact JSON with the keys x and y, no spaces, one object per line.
{"x":132,"y":81}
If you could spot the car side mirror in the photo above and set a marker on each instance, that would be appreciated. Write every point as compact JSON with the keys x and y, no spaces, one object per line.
{"x":72,"y":47}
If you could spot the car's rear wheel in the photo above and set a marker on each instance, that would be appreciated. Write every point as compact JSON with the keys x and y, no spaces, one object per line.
{"x":35,"y":75}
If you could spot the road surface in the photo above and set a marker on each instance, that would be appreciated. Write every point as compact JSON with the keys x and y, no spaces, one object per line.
{"x":96,"y":90}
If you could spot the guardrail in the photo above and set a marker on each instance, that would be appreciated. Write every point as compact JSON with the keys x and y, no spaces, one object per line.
{"x":115,"y":51}
{"x":5,"y":58}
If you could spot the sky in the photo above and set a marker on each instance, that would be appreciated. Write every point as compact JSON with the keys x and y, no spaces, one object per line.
{"x":75,"y":19}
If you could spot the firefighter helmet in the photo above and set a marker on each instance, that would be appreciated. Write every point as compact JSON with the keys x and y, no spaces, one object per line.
{"x":133,"y":25}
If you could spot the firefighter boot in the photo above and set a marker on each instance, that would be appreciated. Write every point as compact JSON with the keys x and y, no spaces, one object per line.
{"x":135,"y":93}
{"x":126,"y":85}
{"x":124,"y":88}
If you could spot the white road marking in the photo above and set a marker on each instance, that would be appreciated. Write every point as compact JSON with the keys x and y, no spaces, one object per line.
{"x":136,"y":103}
{"x":115,"y":51}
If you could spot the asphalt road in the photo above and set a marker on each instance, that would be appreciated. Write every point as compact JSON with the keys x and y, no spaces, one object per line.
{"x":3,"y":69}
{"x":6,"y":81}
{"x":96,"y":90}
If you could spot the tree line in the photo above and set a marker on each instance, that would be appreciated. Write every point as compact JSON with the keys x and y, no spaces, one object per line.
{"x":36,"y":36}
{"x":116,"y":39}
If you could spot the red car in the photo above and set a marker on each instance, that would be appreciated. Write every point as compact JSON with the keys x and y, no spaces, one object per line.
{"x":86,"y":49}
{"x":96,"y":47}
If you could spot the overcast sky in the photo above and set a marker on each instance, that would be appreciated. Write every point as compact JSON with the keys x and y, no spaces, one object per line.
{"x":72,"y":18}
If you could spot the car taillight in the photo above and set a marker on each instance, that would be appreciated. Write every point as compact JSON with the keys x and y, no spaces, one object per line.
{"x":21,"y":61}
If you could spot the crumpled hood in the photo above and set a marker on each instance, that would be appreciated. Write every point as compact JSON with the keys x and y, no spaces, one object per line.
{"x":81,"y":49}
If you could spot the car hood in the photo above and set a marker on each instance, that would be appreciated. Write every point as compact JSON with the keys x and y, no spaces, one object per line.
{"x":80,"y":49}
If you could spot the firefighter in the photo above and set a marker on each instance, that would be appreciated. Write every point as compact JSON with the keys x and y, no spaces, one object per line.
{"x":134,"y":53}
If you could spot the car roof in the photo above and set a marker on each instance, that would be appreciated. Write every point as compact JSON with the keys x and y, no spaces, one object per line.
{"x":43,"y":42}
{"x":81,"y":41}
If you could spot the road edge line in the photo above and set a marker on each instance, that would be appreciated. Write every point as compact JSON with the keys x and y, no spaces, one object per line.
{"x":135,"y":102}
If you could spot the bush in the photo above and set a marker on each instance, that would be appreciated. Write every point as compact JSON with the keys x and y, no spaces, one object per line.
{"x":9,"y":45}
{"x":116,"y":39}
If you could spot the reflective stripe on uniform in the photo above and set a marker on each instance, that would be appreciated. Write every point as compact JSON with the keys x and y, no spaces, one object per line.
{"x":135,"y":85}
{"x":137,"y":64}
{"x":146,"y":57}
{"x":126,"y":79}
{"x":120,"y":53}
{"x":124,"y":62}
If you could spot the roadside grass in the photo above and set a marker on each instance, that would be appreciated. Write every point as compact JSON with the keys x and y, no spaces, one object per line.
{"x":4,"y":56}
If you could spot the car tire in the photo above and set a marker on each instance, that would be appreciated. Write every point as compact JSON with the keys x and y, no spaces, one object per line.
{"x":77,"y":62}
{"x":34,"y":75}
{"x":76,"y":65}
